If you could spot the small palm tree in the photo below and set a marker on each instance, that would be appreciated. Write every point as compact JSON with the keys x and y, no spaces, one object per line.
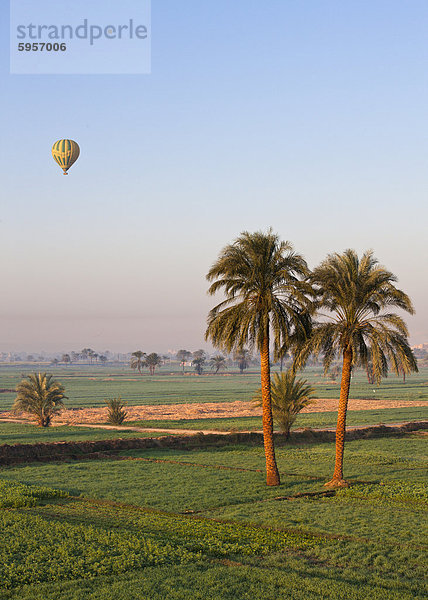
{"x":116,"y":411}
{"x":355,"y":292}
{"x":40,"y":396}
{"x":218,"y":362}
{"x":289,"y":397}
{"x":259,"y":276}
{"x":137,"y":360}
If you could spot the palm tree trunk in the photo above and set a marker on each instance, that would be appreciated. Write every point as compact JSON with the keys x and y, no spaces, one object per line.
{"x":272,"y":474}
{"x":337,"y":480}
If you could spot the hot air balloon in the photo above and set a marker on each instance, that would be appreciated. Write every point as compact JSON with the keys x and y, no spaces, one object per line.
{"x":65,"y":152}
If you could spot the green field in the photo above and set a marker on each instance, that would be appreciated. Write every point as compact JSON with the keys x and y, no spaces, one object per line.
{"x":17,"y":433}
{"x":201,"y":524}
{"x":88,"y":386}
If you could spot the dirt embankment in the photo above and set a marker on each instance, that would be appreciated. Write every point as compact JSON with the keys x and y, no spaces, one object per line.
{"x":102,"y":449}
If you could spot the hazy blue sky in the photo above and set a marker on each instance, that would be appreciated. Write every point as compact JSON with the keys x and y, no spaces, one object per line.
{"x":308,"y":116}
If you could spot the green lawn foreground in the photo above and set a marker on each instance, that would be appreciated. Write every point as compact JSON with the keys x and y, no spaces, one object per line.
{"x":131,"y":534}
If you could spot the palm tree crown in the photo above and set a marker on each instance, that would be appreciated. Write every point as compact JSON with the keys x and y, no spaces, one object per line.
{"x":137,"y":360}
{"x":355,"y":293}
{"x":259,"y":275}
{"x":218,"y":362}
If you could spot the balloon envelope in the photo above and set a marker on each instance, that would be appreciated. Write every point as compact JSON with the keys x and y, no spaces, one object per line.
{"x":65,"y":152}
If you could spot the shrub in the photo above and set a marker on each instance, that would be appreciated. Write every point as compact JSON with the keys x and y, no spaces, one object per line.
{"x":116,"y":411}
{"x":289,"y":396}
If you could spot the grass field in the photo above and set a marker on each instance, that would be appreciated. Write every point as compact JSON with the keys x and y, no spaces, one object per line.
{"x":88,"y":386}
{"x":17,"y":433}
{"x":201,"y":524}
{"x":128,"y":535}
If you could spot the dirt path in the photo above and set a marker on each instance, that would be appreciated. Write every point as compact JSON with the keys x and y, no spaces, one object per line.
{"x":193,"y":431}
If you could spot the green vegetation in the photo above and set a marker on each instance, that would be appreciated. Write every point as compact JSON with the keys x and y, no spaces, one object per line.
{"x":40,"y":396}
{"x":289,"y":397}
{"x":243,"y":539}
{"x":237,"y":539}
{"x":17,"y":433}
{"x":116,"y":413}
{"x":15,"y":495}
{"x":390,"y":490}
{"x":89,"y":385}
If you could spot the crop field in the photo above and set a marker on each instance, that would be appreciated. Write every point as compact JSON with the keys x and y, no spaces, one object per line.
{"x":201,"y":524}
{"x":22,"y":433}
{"x":89,"y":386}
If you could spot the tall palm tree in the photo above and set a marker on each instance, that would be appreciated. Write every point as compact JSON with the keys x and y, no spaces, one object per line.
{"x":357,"y":295}
{"x":258,"y":274}
{"x":40,"y":396}
{"x":138,"y":360}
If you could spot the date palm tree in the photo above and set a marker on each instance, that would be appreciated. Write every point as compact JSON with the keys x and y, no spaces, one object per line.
{"x":137,"y":360}
{"x":357,"y":294}
{"x":259,"y":275}
{"x":152,"y":361}
{"x":242,"y":357}
{"x":289,"y":397}
{"x":218,"y":362}
{"x":41,"y":396}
